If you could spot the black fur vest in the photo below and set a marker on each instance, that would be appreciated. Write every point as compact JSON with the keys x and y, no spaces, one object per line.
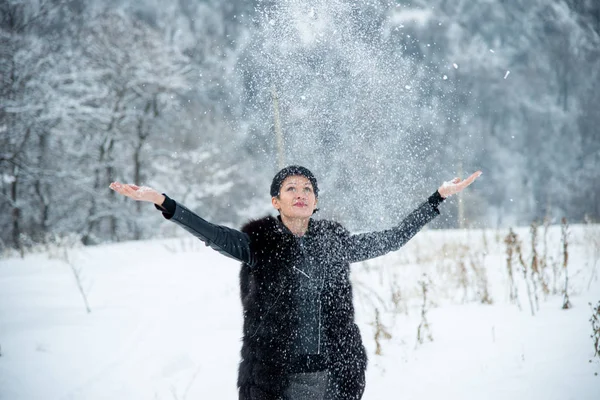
{"x":270,"y":312}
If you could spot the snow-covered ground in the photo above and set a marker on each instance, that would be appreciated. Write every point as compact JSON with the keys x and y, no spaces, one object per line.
{"x":165,"y":322}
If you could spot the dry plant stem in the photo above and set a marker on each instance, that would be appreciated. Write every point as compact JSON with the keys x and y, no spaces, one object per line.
{"x":477,"y":264}
{"x":423,"y":329}
{"x":524,"y":268}
{"x":565,"y":239}
{"x":595,"y":321}
{"x":544,"y":260}
{"x":464,"y":279}
{"x":380,"y":331}
{"x":78,"y":280}
{"x":510,"y":241}
{"x":366,"y":292}
{"x":535,"y":272}
{"x":593,"y":276}
{"x":555,"y":273}
{"x":397,"y":298}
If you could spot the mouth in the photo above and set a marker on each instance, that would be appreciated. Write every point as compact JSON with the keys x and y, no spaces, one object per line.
{"x":299,"y":204}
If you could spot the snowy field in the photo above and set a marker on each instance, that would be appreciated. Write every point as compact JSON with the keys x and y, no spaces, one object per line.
{"x":165,"y":321}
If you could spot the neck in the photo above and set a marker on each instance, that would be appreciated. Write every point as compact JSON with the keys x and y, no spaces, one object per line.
{"x":298,"y":226}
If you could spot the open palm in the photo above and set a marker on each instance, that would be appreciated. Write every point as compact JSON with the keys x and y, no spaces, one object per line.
{"x":456,"y":185}
{"x":140,"y":193}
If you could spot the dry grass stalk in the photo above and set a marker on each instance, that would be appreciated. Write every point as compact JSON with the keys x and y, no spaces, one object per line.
{"x":535,"y":271}
{"x":478,"y":266}
{"x":380,"y":331}
{"x":457,"y":268}
{"x":524,"y":269}
{"x":463,"y":277}
{"x":555,"y":274}
{"x":595,"y":321}
{"x":62,"y":248}
{"x":77,"y":273}
{"x":544,"y":260}
{"x":397,"y":298}
{"x":510,"y":241}
{"x":565,"y":240}
{"x":423,"y":331}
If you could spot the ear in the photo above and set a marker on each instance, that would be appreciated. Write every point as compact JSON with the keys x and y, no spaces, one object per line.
{"x":275,"y":202}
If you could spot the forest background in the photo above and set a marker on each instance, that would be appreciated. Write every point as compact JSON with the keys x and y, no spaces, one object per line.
{"x":383,"y":100}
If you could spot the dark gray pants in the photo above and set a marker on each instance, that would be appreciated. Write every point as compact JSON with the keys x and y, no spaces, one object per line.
{"x":308,"y":386}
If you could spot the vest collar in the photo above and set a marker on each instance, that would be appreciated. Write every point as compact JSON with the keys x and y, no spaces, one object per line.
{"x":282,"y":228}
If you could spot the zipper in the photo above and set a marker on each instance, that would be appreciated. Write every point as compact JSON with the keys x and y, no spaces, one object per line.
{"x":302,"y":272}
{"x":320,"y":288}
{"x":319,"y":301}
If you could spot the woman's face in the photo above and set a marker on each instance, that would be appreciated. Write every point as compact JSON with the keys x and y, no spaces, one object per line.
{"x":296,"y":198}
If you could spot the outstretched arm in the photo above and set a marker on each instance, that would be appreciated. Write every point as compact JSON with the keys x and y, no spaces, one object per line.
{"x":227,"y":241}
{"x":365,"y":246}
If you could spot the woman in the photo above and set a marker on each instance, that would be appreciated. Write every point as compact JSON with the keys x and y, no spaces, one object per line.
{"x":300,"y":340}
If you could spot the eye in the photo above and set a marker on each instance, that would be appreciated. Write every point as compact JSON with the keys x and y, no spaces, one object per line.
{"x":308,"y":189}
{"x":290,"y":188}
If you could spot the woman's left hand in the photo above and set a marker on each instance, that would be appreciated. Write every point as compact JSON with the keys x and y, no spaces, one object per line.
{"x":456,"y":185}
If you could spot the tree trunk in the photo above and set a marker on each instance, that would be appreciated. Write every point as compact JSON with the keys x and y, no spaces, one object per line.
{"x":39,"y":187}
{"x":16,"y":212}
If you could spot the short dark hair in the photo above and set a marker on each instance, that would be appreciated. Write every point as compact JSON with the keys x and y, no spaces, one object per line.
{"x":292,"y":170}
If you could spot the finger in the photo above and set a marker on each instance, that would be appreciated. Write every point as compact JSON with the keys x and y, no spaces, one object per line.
{"x":135,"y":191}
{"x":470,"y":179}
{"x":132,"y":190}
{"x":127,"y":191}
{"x":474,"y":176}
{"x":117,"y":187}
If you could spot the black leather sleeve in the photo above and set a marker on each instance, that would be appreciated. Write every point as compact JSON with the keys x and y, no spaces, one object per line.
{"x":365,"y":246}
{"x":227,"y":241}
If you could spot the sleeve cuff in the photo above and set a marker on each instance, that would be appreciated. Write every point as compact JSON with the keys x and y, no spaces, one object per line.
{"x":167,"y":207}
{"x":435,"y":199}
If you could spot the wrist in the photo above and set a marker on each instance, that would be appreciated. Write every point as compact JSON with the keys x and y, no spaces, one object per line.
{"x":159,"y":199}
{"x":435,"y":199}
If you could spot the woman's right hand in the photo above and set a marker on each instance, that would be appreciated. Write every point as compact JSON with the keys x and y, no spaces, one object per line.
{"x":139,"y":193}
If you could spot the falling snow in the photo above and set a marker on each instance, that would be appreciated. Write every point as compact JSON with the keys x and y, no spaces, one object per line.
{"x":357,"y":89}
